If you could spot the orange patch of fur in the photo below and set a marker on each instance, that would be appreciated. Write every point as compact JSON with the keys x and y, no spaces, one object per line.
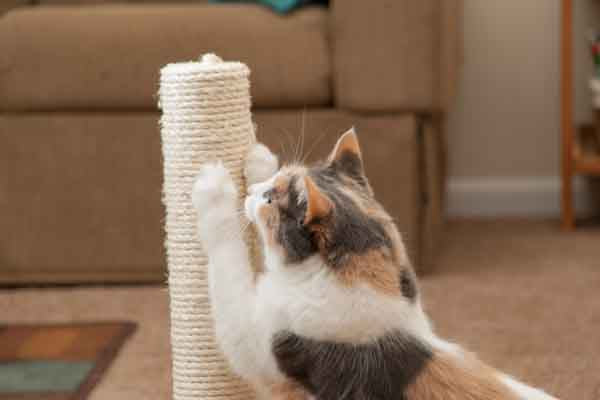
{"x":288,"y":391}
{"x":445,"y":378}
{"x":318,"y":205}
{"x":372,"y":268}
{"x":270,"y":217}
{"x":255,"y":252}
{"x":375,"y":211}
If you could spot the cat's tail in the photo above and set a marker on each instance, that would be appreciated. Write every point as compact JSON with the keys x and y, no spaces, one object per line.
{"x":522,"y":390}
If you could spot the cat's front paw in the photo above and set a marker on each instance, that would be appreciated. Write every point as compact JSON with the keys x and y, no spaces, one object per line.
{"x":261,"y":164}
{"x":214,"y":191}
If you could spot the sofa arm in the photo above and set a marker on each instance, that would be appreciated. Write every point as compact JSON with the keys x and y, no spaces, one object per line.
{"x":6,"y":5}
{"x":394,"y":55}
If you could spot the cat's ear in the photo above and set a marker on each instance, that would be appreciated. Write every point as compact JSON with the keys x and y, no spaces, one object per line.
{"x":318,"y":205}
{"x":346,"y":155}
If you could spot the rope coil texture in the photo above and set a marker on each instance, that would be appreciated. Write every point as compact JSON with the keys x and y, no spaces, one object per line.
{"x":205,"y":117}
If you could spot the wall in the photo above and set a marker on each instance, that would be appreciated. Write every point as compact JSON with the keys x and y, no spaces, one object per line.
{"x":504,"y":153}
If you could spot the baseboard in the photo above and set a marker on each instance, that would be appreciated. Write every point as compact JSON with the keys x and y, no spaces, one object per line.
{"x":518,"y":197}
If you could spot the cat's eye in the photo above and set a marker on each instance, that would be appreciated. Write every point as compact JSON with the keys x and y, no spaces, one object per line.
{"x":269,"y":196}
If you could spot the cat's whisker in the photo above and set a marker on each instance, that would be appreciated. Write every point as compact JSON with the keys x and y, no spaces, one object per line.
{"x":245,"y":227}
{"x":236,"y":232}
{"x":231,"y":225}
{"x":296,"y":151}
{"x":235,"y":228}
{"x":282,"y":148}
{"x":297,"y":144}
{"x":302,"y":133}
{"x":314,"y":145}
{"x":289,"y":140}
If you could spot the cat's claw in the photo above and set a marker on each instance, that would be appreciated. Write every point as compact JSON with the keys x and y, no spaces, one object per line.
{"x":261,"y":164}
{"x":214,"y":189}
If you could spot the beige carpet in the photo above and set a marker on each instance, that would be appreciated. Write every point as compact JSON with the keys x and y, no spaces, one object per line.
{"x":522,"y":294}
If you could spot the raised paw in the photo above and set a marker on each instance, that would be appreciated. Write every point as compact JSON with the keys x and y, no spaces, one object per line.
{"x":261,"y":164}
{"x":214,"y":189}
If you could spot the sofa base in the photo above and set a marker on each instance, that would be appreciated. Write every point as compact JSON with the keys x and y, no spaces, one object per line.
{"x":80,"y":193}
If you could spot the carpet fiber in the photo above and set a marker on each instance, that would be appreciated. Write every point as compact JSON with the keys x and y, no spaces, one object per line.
{"x":58,"y":362}
{"x":524,"y":295}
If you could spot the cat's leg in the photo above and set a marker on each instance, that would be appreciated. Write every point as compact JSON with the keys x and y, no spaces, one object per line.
{"x":261,"y":164}
{"x":231,"y":277}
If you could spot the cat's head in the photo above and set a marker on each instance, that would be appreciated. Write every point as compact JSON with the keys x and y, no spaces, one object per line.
{"x":328,"y":210}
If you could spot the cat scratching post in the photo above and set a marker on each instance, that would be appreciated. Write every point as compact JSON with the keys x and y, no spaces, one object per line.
{"x":205,"y":117}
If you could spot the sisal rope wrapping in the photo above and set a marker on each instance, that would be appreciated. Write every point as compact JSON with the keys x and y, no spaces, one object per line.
{"x":205,"y":117}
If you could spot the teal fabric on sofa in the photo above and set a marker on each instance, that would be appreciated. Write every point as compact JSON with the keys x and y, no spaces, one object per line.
{"x":279,"y":6}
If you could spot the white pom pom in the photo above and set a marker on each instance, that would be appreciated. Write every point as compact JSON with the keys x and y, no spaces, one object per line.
{"x":210,"y":58}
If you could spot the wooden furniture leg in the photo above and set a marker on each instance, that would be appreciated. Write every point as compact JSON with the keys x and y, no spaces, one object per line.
{"x":567,"y":114}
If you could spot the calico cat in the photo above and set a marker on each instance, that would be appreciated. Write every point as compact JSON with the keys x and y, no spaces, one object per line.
{"x":336,"y":312}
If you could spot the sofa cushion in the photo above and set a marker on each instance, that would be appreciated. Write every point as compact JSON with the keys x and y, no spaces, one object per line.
{"x":400,"y":55}
{"x":88,"y":2}
{"x":108,"y":56}
{"x":7,"y":5}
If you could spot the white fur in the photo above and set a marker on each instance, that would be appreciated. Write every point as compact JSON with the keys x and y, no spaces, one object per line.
{"x":522,"y":390}
{"x":261,"y":164}
{"x":446,"y":347}
{"x":305,"y":299}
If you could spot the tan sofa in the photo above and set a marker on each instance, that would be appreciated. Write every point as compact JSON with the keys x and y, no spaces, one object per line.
{"x":80,"y":161}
